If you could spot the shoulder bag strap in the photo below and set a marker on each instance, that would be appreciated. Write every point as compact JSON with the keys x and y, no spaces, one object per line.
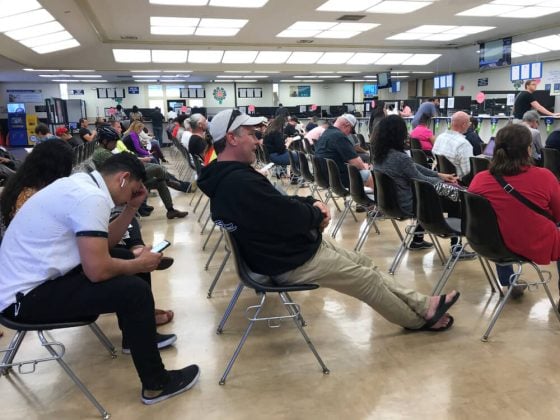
{"x":513,"y":192}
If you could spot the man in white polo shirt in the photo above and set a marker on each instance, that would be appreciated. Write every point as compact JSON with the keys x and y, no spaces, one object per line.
{"x":56,"y":266}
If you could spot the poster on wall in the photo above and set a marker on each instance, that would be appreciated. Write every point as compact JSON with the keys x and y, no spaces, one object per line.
{"x":134,"y":90}
{"x":76,"y":92}
{"x":303,"y":91}
{"x":25,"y":95}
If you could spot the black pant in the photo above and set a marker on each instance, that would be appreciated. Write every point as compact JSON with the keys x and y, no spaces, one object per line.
{"x":73,"y":296}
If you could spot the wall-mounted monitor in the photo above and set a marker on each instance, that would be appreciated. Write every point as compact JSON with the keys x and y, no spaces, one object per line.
{"x":395,"y":87}
{"x":495,"y":53}
{"x":383,"y":80}
{"x":443,"y":81}
{"x":370,"y":91}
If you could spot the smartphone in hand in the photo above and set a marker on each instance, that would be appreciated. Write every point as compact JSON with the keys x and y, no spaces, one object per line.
{"x":161,"y":246}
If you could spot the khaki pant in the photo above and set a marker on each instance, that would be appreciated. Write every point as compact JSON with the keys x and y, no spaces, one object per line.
{"x":355,"y":275}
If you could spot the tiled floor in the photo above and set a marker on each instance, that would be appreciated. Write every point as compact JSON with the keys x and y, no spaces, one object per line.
{"x":377,"y":369}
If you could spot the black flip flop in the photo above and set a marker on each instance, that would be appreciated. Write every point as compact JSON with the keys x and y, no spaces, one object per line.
{"x":441,"y":310}
{"x":425,"y":327}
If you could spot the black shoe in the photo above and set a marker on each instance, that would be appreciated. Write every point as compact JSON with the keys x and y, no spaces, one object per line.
{"x":165,"y":263}
{"x":519,"y":289}
{"x":179,"y":381}
{"x":420,"y":245}
{"x":176,"y":214}
{"x":163,"y":341}
{"x":146,"y":207}
{"x":164,"y":160}
{"x":144,"y":213}
{"x":465,"y":255}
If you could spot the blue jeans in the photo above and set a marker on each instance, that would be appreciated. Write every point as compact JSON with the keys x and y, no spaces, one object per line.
{"x":505,"y":271}
{"x":158,"y":134}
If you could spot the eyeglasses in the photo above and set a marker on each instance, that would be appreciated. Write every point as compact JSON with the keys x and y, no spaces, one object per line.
{"x":234,"y":114}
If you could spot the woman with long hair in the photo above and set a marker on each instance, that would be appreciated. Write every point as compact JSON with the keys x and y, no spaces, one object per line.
{"x":47,"y":162}
{"x":524,"y":231}
{"x":389,"y":157}
{"x":131,"y":139}
{"x":276,"y":144}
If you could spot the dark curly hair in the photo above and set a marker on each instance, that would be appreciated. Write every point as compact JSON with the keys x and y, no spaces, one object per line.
{"x":390,"y":133}
{"x":47,"y":162}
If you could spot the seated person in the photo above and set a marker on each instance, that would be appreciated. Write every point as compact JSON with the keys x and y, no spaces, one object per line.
{"x":131,"y":139}
{"x":553,"y":140}
{"x":314,"y":134}
{"x":473,"y":138}
{"x":62,"y":133}
{"x":454,"y":146}
{"x":531,"y":121}
{"x":85,"y":134}
{"x":280,"y":235}
{"x":390,"y":158}
{"x":8,"y":164}
{"x":277,"y":145}
{"x":58,"y":267}
{"x":524,"y":231}
{"x":336,"y":145}
{"x":424,"y":134}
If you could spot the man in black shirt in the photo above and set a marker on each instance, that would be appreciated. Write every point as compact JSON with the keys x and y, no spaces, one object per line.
{"x":157,"y":125}
{"x":84,"y":132}
{"x":334,"y":144}
{"x":525,"y":101}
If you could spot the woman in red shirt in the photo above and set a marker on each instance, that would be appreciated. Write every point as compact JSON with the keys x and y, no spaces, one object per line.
{"x":525,"y":232}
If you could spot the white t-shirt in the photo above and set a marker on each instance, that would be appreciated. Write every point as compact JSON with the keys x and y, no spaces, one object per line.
{"x":185,"y":137}
{"x":41,"y":242}
{"x":171,"y":115}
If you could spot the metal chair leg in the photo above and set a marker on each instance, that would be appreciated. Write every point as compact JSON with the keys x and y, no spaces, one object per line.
{"x":104,"y":414}
{"x":104,"y":339}
{"x":211,"y":256}
{"x":243,"y":339}
{"x":230,"y":307}
{"x":208,"y":237}
{"x":403,"y":247}
{"x":11,"y":352}
{"x":203,"y":210}
{"x":218,"y":274}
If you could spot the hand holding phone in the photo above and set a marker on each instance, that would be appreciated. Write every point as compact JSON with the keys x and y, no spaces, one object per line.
{"x":267,"y":166}
{"x":161,"y":246}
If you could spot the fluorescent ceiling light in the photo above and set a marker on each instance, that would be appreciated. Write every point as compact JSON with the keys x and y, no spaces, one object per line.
{"x":289,"y":81}
{"x":364,"y":58}
{"x":80,"y":71}
{"x":292,"y":33}
{"x":430,"y":29}
{"x":148,"y":76}
{"x":517,"y":2}
{"x":172,"y":30}
{"x":331,"y":77}
{"x":145,"y":71}
{"x":420,"y":59}
{"x":349,"y":72}
{"x":370,"y":77}
{"x":93,"y":81}
{"x":398,"y":7}
{"x":245,"y":81}
{"x":46,"y":39}
{"x":527,"y":48}
{"x":237,"y":71}
{"x":57,"y":46}
{"x":323,"y":72}
{"x":392,"y":58}
{"x":302,"y":57}
{"x":441,"y":37}
{"x":173,"y":21}
{"x":356,"y":80}
{"x":205,"y":57}
{"x":469,"y":30}
{"x":305,"y":77}
{"x":337,"y":34}
{"x":335,"y":58}
{"x":175,"y":71}
{"x":238,"y":3}
{"x":238,"y":57}
{"x":53,"y":75}
{"x":272,"y":57}
{"x":180,"y":2}
{"x":23,"y":20}
{"x":41,"y":70}
{"x":216,"y":31}
{"x":37,"y":30}
{"x":398,"y":77}
{"x":222,"y":23}
{"x":347,"y":6}
{"x":358,"y":27}
{"x":551,"y":42}
{"x":488,"y":10}
{"x":266,"y":72}
{"x":86,"y":75}
{"x":9,"y":8}
{"x":405,"y":36}
{"x":312,"y":25}
{"x":169,"y":56}
{"x":146,"y":81}
{"x":226,"y":76}
{"x":515,"y":55}
{"x":176,"y":75}
{"x":64,"y":80}
{"x":132,"y":56}
{"x":531,"y":12}
{"x":254,"y":76}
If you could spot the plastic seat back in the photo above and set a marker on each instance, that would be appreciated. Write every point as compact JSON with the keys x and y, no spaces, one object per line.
{"x":357,"y":192}
{"x":429,"y":211}
{"x":320,"y":172}
{"x":304,"y":167}
{"x":419,"y":157}
{"x":445,"y":166}
{"x":386,"y":195}
{"x":415,"y":144}
{"x":334,"y":179}
{"x":479,"y":164}
{"x":551,"y":159}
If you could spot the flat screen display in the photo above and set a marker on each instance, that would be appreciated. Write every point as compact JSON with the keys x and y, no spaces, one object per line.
{"x":495,"y":53}
{"x":14,"y":108}
{"x":383,"y":80}
{"x":370,"y":91}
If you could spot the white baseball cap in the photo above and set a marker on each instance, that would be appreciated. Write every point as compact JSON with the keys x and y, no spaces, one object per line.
{"x":350,"y":118}
{"x":228,"y":120}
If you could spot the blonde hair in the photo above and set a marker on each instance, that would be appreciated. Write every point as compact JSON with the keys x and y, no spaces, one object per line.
{"x":135,"y":126}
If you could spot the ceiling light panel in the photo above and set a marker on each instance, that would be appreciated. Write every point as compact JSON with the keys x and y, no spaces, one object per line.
{"x":222,"y":23}
{"x":301,"y":57}
{"x":335,"y":58}
{"x":56,"y":46}
{"x":239,"y":57}
{"x":172,"y":30}
{"x":551,"y":42}
{"x":531,"y":12}
{"x":398,"y":7}
{"x":392,"y":58}
{"x":46,"y":39}
{"x":238,"y":3}
{"x":216,"y":31}
{"x":23,"y":20}
{"x":10,"y":8}
{"x":37,"y":30}
{"x":421,"y":59}
{"x":308,"y":29}
{"x":180,"y":2}
{"x":347,"y":6}
{"x":205,"y":57}
{"x":132,"y":56}
{"x":431,"y":29}
{"x":272,"y":57}
{"x":488,"y":10}
{"x":442,"y":37}
{"x":169,"y":56}
{"x":527,"y":48}
{"x":173,"y":21}
{"x":439,"y":32}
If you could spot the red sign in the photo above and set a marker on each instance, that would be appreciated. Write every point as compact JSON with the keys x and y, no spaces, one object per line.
{"x":313,"y":107}
{"x":480,"y":97}
{"x":251,"y":109}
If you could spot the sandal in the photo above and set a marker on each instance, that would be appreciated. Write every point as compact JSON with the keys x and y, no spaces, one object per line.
{"x":163,"y":317}
{"x":441,"y":310}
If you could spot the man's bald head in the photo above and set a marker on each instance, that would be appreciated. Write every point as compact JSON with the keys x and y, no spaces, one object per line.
{"x":460,"y":122}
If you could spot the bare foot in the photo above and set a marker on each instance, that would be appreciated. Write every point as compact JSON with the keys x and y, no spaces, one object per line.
{"x":434,"y":301}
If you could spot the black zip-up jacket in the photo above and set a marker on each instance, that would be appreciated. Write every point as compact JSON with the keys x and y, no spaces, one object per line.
{"x":276,"y":233}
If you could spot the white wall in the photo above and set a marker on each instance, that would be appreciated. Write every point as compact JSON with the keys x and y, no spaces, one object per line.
{"x":321,"y":94}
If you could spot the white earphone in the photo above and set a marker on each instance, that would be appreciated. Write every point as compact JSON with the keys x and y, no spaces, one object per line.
{"x":122,"y":183}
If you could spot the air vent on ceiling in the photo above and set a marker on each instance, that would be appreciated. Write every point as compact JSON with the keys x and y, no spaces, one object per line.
{"x":351,"y":17}
{"x":129,"y":37}
{"x":305,"y":41}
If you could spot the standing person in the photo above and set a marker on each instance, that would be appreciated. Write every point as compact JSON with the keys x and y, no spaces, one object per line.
{"x":135,"y":114}
{"x":526,"y":101}
{"x":429,"y":107}
{"x":75,"y":277}
{"x":281,"y":236}
{"x":85,"y":134}
{"x":157,"y":125}
{"x":119,"y":115}
{"x":377,"y":114}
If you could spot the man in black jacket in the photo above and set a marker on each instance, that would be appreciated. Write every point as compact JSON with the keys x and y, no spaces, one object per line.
{"x":280,"y":235}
